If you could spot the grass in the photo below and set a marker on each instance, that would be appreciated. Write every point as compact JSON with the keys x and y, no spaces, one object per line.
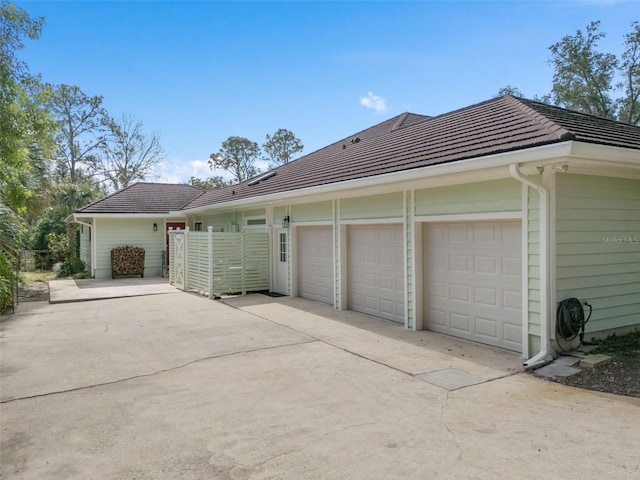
{"x":27,"y":278}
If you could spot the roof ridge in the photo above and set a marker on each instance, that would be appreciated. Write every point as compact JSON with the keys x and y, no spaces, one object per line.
{"x":540,"y":118}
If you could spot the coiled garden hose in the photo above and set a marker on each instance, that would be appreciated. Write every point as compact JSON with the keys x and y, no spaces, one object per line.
{"x":570,"y":320}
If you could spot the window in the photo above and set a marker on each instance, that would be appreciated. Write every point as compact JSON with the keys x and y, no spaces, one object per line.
{"x":255,"y":224}
{"x":283,"y":247}
{"x":197,"y":226}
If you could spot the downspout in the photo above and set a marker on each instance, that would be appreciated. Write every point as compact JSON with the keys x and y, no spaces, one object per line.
{"x":544,"y":355}
{"x":72,"y":218}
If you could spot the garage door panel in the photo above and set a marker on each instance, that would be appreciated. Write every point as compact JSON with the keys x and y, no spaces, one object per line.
{"x":315,"y":264}
{"x":473,"y":281}
{"x":376,"y":270}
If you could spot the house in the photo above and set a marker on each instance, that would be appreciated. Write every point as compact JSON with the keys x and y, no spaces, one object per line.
{"x":138,"y":215}
{"x":474,"y":223}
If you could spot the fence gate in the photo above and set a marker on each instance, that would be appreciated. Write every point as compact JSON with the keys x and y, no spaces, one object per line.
{"x":178,"y":260}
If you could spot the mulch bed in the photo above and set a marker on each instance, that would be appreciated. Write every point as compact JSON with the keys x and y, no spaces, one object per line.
{"x":621,"y":376}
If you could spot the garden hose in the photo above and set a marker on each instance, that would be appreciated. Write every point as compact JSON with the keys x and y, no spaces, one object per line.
{"x":570,"y":319}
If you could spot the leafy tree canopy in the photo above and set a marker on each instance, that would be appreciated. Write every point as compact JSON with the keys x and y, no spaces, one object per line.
{"x":82,"y":125}
{"x":281,"y":147}
{"x":237,"y":156}
{"x":595,"y":82}
{"x":210,"y":183}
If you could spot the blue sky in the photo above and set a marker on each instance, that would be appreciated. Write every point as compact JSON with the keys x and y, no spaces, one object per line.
{"x":199,"y":72}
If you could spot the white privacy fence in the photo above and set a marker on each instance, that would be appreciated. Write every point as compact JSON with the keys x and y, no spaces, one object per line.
{"x":215,"y":263}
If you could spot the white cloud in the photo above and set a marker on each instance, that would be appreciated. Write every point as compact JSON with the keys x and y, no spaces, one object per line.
{"x":375,"y":102}
{"x":178,"y":171}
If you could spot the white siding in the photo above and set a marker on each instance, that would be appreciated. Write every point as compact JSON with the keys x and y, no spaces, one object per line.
{"x":111,"y":233}
{"x":598,"y":247}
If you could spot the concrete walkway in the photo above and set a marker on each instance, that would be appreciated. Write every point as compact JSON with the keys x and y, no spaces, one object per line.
{"x":176,"y":386}
{"x":65,"y":291}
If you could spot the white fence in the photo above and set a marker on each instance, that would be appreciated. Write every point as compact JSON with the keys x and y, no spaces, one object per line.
{"x":216,"y":263}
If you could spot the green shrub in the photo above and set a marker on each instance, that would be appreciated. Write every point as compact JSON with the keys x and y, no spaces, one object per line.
{"x":8,"y":281}
{"x":58,"y":245}
{"x":68,"y":268}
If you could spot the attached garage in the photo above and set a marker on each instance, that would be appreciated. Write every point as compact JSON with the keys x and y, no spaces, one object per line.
{"x":315,"y":264}
{"x":376,"y":271}
{"x":473,"y":281}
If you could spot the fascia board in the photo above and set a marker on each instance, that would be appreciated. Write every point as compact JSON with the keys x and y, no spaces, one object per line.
{"x":606,"y":154}
{"x":541,"y":154}
{"x":172,"y":215}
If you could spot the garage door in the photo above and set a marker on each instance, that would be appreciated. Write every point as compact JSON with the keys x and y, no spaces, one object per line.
{"x":315,"y":264}
{"x":376,"y":271}
{"x":473,"y":281}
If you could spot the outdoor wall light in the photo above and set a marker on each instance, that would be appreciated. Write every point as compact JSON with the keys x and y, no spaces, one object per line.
{"x":285,"y":222}
{"x":155,"y":227}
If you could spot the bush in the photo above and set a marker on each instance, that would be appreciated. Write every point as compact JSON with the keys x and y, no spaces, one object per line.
{"x":8,"y":281}
{"x":58,"y":245}
{"x":68,"y":268}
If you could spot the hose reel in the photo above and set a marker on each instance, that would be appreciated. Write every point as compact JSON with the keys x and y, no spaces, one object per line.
{"x":570,"y":319}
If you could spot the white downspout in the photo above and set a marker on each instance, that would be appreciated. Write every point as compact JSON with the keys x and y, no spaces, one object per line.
{"x":75,"y":220}
{"x":544,"y":355}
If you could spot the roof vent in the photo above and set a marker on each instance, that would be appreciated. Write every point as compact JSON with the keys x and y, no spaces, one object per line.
{"x":355,"y":140}
{"x":344,"y":146}
{"x":264,"y":177}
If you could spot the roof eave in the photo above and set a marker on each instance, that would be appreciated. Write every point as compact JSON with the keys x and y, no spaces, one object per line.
{"x":126,"y":215}
{"x":530,"y":155}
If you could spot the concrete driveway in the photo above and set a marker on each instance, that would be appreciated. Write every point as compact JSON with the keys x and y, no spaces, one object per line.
{"x":174,"y":386}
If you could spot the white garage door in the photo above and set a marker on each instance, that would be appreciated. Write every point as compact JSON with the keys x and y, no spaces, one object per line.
{"x":473,"y":281}
{"x":315,"y":264}
{"x":376,"y":271}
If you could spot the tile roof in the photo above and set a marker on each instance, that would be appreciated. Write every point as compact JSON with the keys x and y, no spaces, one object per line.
{"x":411,"y":141}
{"x":160,"y":198}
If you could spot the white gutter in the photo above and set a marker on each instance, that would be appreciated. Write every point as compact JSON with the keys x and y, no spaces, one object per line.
{"x":544,"y":355}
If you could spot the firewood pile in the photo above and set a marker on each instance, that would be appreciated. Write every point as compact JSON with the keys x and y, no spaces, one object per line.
{"x":126,"y":261}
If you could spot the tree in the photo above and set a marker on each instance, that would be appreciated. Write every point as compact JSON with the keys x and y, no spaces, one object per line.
{"x":281,"y":147}
{"x":127,"y":153}
{"x":25,"y":128}
{"x":210,"y":183}
{"x":629,"y":105}
{"x":510,"y":90}
{"x":25,"y":137}
{"x":82,"y":124}
{"x":585,"y":78}
{"x":67,"y":198}
{"x":237,"y":156}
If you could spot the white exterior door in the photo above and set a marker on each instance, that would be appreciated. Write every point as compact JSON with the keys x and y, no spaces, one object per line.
{"x":315,"y":263}
{"x":473,"y":281}
{"x":376,"y":271}
{"x":281,"y":261}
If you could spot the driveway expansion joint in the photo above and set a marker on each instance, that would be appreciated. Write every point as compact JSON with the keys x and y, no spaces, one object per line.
{"x":151,"y":374}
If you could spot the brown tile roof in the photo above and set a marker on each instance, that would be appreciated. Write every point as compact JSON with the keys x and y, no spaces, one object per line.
{"x":411,"y":141}
{"x":160,"y":198}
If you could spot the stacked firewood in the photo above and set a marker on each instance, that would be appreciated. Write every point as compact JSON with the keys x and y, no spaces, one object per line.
{"x":127,"y":260}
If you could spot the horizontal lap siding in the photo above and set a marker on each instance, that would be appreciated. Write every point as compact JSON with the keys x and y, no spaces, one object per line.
{"x":484,"y":197}
{"x":372,"y":207}
{"x":111,"y":233}
{"x":312,"y":212}
{"x":533,"y":267}
{"x":598,"y":247}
